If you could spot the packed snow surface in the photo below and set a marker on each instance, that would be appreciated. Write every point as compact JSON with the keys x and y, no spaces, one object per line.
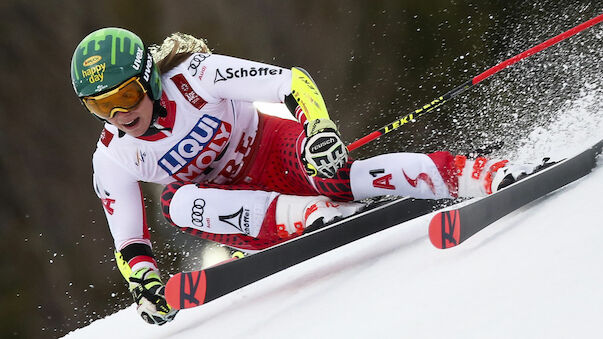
{"x":536,"y":273}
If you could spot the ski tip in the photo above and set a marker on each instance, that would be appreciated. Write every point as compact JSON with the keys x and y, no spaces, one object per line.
{"x":445,"y":229}
{"x":186,"y":290}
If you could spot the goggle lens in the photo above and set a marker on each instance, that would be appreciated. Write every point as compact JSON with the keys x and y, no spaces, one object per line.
{"x":122,"y":99}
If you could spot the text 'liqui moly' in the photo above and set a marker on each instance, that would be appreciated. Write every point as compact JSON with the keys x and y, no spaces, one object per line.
{"x":197,"y":150}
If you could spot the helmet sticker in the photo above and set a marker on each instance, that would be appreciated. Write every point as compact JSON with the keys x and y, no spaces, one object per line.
{"x":95,"y":73}
{"x":148,"y":67}
{"x":138,"y":60}
{"x":92,"y":60}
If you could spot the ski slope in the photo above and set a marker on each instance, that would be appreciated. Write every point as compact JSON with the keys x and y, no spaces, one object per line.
{"x":533,"y":274}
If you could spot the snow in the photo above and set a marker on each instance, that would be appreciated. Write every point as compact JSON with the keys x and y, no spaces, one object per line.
{"x":533,"y":274}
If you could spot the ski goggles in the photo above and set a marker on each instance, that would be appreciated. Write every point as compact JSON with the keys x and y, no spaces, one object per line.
{"x":121,"y":99}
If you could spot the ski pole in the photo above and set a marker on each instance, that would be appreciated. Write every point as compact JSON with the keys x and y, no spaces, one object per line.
{"x":437,"y":102}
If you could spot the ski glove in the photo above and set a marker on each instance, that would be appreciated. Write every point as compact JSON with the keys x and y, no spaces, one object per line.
{"x":324,"y":153}
{"x":148,"y":292}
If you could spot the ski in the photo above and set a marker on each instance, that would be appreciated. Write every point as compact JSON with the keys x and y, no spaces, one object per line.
{"x":191,"y":289}
{"x":452,"y":227}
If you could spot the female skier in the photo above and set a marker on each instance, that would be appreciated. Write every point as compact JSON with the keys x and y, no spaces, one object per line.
{"x":232,"y":174}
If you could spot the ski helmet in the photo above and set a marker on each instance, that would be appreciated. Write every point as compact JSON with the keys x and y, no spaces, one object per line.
{"x":109,"y":56}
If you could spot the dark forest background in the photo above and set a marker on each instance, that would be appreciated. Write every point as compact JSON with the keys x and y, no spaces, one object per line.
{"x":373,"y":60}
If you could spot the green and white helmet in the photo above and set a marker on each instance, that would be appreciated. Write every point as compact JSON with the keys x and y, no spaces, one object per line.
{"x":106,"y":58}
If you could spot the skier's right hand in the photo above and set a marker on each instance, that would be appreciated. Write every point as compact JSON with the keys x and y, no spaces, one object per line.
{"x":324,"y":152}
{"x":148,"y":292}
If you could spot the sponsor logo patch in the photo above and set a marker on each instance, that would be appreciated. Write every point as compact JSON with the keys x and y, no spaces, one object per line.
{"x":423,"y":177}
{"x":197,"y":150}
{"x":195,"y":62}
{"x":322,"y":144}
{"x":95,"y":73}
{"x":239,"y":220}
{"x":106,"y":137}
{"x":231,"y":73}
{"x":384,"y":182}
{"x":202,"y":73}
{"x":187,"y":91}
{"x":148,"y":68}
{"x":197,"y":212}
{"x":138,"y":59}
{"x":92,"y":60}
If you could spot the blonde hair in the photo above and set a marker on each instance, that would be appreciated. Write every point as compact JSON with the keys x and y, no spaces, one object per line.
{"x":175,"y":49}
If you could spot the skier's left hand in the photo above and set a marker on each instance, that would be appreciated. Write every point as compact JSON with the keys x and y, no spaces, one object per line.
{"x":324,"y":153}
{"x":148,"y":292}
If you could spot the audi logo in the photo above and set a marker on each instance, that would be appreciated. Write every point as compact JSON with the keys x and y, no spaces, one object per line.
{"x":197,"y":212}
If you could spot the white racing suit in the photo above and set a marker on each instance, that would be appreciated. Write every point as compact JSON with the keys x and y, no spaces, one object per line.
{"x":224,"y":164}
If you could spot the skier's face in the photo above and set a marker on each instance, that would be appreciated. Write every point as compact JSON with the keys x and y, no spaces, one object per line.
{"x":136,"y":121}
